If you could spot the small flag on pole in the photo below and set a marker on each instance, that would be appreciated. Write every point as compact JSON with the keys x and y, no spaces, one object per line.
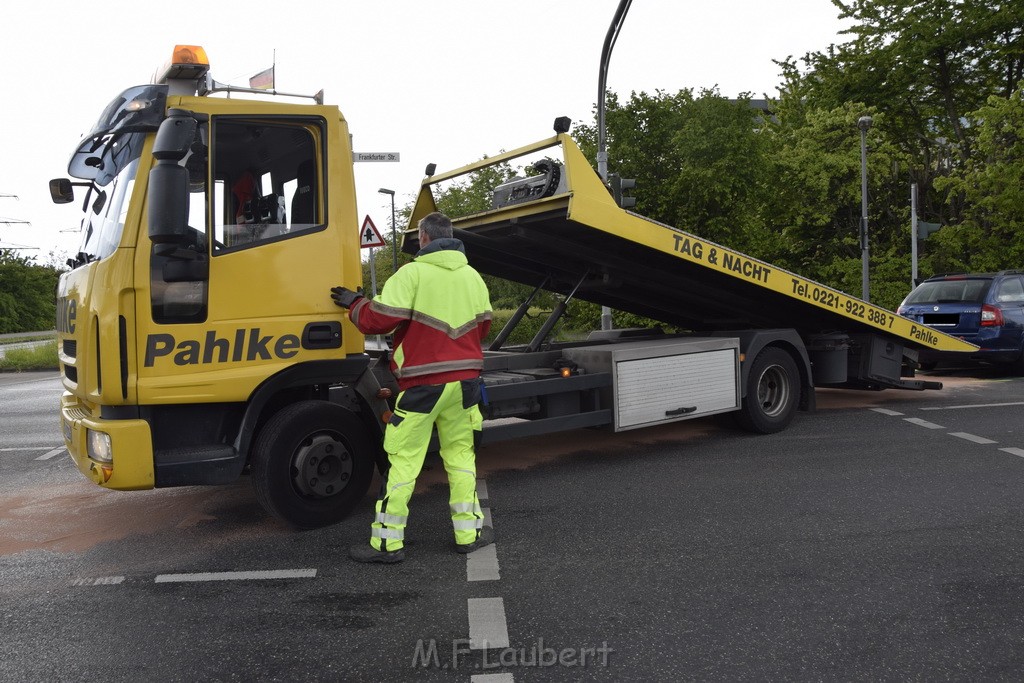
{"x":264,"y":80}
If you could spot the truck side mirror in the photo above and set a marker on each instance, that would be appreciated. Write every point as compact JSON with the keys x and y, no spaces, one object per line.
{"x":61,"y":191}
{"x":168,"y":180}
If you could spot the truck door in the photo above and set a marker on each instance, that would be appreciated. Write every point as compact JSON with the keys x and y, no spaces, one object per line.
{"x":253,"y":298}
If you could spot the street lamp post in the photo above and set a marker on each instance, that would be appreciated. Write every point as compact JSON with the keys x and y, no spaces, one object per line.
{"x":864,"y":123}
{"x":394,"y":230}
{"x":602,"y":80}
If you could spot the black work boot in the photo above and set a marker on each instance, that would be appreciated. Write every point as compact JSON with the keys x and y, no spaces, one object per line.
{"x":364,"y":552}
{"x":485,"y":538}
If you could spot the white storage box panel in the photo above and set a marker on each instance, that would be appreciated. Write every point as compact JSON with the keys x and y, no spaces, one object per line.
{"x":655,"y":382}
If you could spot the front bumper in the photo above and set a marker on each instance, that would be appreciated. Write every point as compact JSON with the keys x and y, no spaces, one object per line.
{"x":131,"y":446}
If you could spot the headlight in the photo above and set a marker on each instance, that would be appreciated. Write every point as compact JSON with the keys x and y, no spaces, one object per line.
{"x":99,"y":446}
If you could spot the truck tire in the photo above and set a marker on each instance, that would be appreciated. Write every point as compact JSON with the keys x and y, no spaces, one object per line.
{"x":312,"y":463}
{"x":773,"y":390}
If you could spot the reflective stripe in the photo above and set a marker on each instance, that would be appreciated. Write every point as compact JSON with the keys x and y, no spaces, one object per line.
{"x":445,"y":327}
{"x":461,"y":524}
{"x":459,"y":469}
{"x":396,"y":534}
{"x":390,"y":311}
{"x":384,"y":518}
{"x":442,"y":366}
{"x":466,"y":507}
{"x":404,"y":483}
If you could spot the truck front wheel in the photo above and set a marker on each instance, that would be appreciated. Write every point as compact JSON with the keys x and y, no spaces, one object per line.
{"x":773,"y":390}
{"x":312,"y":463}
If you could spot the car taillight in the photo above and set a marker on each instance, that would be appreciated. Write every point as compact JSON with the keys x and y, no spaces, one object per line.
{"x":901,"y":311}
{"x":991,"y":316}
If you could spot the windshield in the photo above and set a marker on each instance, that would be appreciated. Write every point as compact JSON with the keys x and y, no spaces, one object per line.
{"x":107,"y":203}
{"x":136,"y":110}
{"x":950,"y":291}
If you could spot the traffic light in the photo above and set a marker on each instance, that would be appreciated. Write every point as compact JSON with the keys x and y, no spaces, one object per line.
{"x":925,"y":229}
{"x":620,"y":185}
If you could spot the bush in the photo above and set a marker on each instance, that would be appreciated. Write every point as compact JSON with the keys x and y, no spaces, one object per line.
{"x":26,"y":294}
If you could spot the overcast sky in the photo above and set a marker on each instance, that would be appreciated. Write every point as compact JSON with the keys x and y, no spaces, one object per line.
{"x":443,"y":81}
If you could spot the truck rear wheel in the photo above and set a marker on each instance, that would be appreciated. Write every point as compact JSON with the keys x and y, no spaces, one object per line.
{"x":312,"y":463}
{"x":773,"y":389}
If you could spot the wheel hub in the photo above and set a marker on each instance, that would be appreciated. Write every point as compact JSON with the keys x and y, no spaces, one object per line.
{"x":773,"y":390}
{"x":322,"y":466}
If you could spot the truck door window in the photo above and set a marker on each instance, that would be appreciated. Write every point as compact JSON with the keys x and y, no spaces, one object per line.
{"x":266,"y":172}
{"x":177,"y":296}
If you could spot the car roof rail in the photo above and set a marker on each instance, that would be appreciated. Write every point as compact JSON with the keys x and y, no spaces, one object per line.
{"x":940,"y":276}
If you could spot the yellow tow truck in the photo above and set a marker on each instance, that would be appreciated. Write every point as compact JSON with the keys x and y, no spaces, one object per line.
{"x":198,"y":340}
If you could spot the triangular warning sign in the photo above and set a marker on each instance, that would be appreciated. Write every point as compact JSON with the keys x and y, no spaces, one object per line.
{"x":368,"y":235}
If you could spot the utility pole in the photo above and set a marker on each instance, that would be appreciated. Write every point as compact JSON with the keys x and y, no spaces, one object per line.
{"x":864,"y":123}
{"x":913,"y":235}
{"x":13,"y":221}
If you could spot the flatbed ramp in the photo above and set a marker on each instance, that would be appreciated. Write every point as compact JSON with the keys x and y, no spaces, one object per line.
{"x":562,"y":230}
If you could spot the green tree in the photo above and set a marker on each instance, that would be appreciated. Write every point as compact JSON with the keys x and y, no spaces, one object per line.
{"x":699,"y":162}
{"x":26,"y":294}
{"x":816,"y":206}
{"x":990,"y":235}
{"x":925,"y":65}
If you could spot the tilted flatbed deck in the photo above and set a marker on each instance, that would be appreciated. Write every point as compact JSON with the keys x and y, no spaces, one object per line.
{"x":579,"y":239}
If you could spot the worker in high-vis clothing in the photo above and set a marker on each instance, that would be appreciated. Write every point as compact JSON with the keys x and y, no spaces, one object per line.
{"x":439,"y":311}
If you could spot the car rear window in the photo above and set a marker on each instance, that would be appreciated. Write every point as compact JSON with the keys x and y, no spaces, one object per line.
{"x":950,"y":292}
{"x":1011,"y":290}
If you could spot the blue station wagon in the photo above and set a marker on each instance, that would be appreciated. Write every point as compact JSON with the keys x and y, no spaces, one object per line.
{"x":986,"y":309}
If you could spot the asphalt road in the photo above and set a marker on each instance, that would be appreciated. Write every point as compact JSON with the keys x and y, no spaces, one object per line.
{"x":879,"y":538}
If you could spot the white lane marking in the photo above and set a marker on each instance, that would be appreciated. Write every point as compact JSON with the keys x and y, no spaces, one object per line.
{"x":492,"y":678}
{"x":24,"y":448}
{"x":886,"y":411}
{"x":237,"y":576}
{"x":976,"y":405}
{"x":487,"y":626}
{"x":54,"y":452}
{"x":923,"y":423}
{"x":487,"y":517}
{"x":30,"y":381}
{"x":481,"y":489}
{"x":971,"y":437}
{"x":100,"y":581}
{"x":1014,"y":451}
{"x":482,"y":564}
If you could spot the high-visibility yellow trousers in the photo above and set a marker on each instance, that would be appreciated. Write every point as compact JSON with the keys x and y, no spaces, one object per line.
{"x":453,"y":408}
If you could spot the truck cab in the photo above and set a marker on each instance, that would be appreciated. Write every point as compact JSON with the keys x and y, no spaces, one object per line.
{"x":197,"y":305}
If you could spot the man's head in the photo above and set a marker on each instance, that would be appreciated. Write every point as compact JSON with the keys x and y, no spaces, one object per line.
{"x":434,"y":226}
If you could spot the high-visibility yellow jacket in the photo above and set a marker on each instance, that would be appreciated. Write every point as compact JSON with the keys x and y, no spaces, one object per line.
{"x":439,"y":310}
